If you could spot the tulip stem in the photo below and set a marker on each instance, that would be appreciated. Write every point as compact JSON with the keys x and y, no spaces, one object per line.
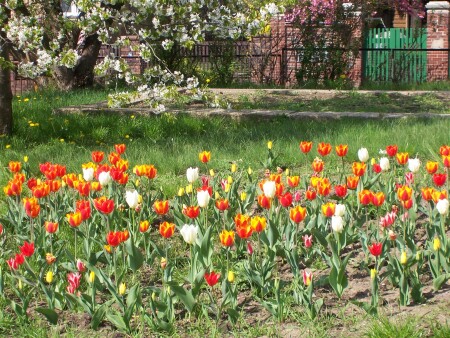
{"x":75,"y":244}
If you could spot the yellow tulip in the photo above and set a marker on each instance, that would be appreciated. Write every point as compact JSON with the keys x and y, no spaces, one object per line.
{"x":373,"y":274}
{"x":122,"y":289}
{"x":231,"y":276}
{"x":403,"y":258}
{"x":211,"y":172}
{"x":92,"y":277}
{"x":243,"y":196}
{"x":269,"y":145}
{"x":49,"y":277}
{"x":233,"y":168}
{"x":436,"y":244}
{"x":180,"y":192}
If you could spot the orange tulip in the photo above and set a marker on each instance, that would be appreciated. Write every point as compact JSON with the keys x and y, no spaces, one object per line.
{"x":275,"y":177}
{"x":104,"y":205}
{"x":41,"y":190}
{"x":14,"y":166}
{"x":144,"y":225}
{"x":328,"y":209}
{"x":432,"y":167}
{"x":402,"y":158}
{"x":32,"y":207}
{"x":358,"y":168}
{"x":54,"y":185}
{"x":310,"y":194}
{"x":258,"y":224}
{"x":161,"y":207}
{"x":242,"y":220}
{"x":341,"y":150}
{"x":340,"y":190}
{"x":113,"y":158}
{"x":264,"y":201}
{"x":227,"y":238}
{"x":446,"y":160}
{"x":404,"y":193}
{"x":97,"y":156}
{"x":365,"y":197}
{"x":13,"y":188}
{"x":222,"y":204}
{"x":191,"y":211}
{"x":352,"y":182}
{"x":317,"y":165}
{"x":293,"y":181}
{"x":84,"y":188}
{"x":204,"y":156}
{"x":74,"y":219}
{"x":244,"y":231}
{"x":145,"y":170}
{"x":427,"y":193}
{"x":324,"y":187}
{"x":439,"y":195}
{"x":444,"y":150}
{"x":120,"y":148}
{"x":297,"y":214}
{"x":378,"y":198}
{"x":324,"y":148}
{"x":51,"y":227}
{"x":122,"y":165}
{"x":305,"y":146}
{"x":166,"y":229}
{"x":70,"y":179}
{"x":407,"y":204}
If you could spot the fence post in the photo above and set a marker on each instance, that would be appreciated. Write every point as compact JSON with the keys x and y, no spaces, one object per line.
{"x":437,"y":38}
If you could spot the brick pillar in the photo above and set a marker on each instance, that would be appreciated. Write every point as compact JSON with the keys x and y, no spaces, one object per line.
{"x":438,"y":13}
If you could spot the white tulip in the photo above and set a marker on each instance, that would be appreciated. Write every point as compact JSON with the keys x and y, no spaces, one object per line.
{"x":337,"y":224}
{"x":363,"y":155}
{"x":192,"y":174}
{"x":442,"y":206}
{"x":132,"y":198}
{"x":413,"y":165}
{"x":203,"y":198}
{"x":104,"y":178}
{"x":189,"y":233}
{"x":269,"y":189}
{"x":339,"y":210}
{"x":384,"y":164}
{"x":88,"y":174}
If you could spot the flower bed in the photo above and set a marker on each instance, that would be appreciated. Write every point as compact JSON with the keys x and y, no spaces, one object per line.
{"x":109,"y":241}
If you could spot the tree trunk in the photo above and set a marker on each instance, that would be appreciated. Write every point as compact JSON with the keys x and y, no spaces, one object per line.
{"x":83,"y":73}
{"x":6,"y":118}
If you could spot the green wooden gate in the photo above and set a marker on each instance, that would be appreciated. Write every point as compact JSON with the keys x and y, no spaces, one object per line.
{"x":395,"y":55}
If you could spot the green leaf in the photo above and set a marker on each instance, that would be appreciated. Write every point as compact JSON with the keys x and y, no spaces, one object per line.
{"x":50,"y":314}
{"x":184,"y":295}
{"x":117,"y":321}
{"x":99,"y":314}
{"x":135,"y":257}
{"x":233,"y":315}
{"x":438,"y":281}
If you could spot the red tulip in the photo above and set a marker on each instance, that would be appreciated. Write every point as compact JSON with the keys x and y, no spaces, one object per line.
{"x":222,"y":204}
{"x":340,"y":190}
{"x":376,"y":249}
{"x":161,"y":207}
{"x":286,"y":199}
{"x":97,"y":156}
{"x":166,"y":229}
{"x":324,"y":148}
{"x":27,"y":249}
{"x":439,"y":179}
{"x":212,"y":278}
{"x":392,"y":150}
{"x":120,"y":148}
{"x":113,"y":238}
{"x":191,"y":211}
{"x":305,"y":146}
{"x":51,"y":227}
{"x":341,"y":150}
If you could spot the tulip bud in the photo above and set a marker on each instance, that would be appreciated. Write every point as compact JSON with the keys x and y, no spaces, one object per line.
{"x":137,"y":183}
{"x":373,"y":274}
{"x":153,"y":296}
{"x":49,"y":277}
{"x":403,"y":258}
{"x":163,"y":263}
{"x":231,"y":276}
{"x":20,"y":285}
{"x":168,"y":290}
{"x":216,"y":195}
{"x":229,"y":179}
{"x":436,"y":243}
{"x":249,"y":171}
{"x":91,"y":277}
{"x":243,"y":196}
{"x":122,"y":289}
{"x":269,"y":145}
{"x":50,"y":259}
{"x":227,"y":187}
{"x":233,"y":167}
{"x":249,"y":248}
{"x":80,"y":266}
{"x":180,"y":192}
{"x":418,"y":255}
{"x":25,"y":159}
{"x":392,"y":235}
{"x":189,"y":189}
{"x":211,"y":172}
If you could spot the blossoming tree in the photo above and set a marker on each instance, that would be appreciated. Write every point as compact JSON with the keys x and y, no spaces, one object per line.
{"x":43,"y":39}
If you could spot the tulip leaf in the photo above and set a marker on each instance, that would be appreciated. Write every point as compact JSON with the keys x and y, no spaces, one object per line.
{"x":437,"y":282}
{"x":99,"y":314}
{"x":183,"y":295}
{"x":50,"y":314}
{"x":117,"y":321}
{"x":135,"y":257}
